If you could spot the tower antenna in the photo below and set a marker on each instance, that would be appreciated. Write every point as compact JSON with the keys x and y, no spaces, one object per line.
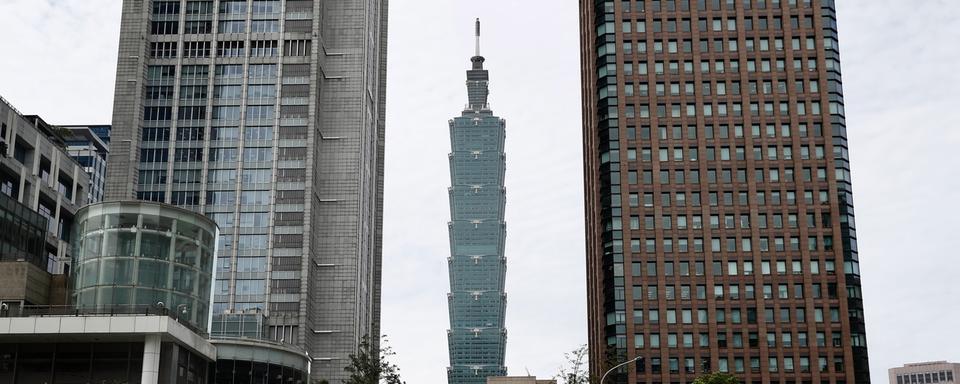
{"x":478,"y":37}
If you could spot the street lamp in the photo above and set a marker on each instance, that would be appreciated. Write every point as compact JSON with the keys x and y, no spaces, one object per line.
{"x":618,"y":366}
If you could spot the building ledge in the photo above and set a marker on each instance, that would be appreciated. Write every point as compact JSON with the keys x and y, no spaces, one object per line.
{"x":102,"y":328}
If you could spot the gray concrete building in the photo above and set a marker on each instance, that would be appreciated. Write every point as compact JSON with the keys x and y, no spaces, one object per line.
{"x":37,"y":172}
{"x":89,"y":146}
{"x":925,"y":373}
{"x":268,"y":117}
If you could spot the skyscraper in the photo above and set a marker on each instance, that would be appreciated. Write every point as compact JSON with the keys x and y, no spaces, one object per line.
{"x":268,"y":117}
{"x":720,"y":224}
{"x":477,"y":337}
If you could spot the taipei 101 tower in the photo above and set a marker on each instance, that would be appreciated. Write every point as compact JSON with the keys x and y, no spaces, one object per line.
{"x":477,"y":337}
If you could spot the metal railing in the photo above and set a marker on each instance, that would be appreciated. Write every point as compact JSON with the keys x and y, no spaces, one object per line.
{"x":91,"y":311}
{"x":10,"y":105}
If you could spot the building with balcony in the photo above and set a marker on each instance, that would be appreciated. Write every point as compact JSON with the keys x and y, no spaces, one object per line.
{"x":37,"y":172}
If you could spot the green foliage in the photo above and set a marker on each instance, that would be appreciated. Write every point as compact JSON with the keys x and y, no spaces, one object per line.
{"x":716,"y":378}
{"x":576,"y":370}
{"x":370,"y":365}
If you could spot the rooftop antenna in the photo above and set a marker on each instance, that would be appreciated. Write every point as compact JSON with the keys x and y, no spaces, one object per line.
{"x":478,"y":37}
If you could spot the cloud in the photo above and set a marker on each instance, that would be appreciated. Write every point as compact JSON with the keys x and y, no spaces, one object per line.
{"x":60,"y":58}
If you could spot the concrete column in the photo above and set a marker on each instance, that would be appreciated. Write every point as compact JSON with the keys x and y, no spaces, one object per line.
{"x":151,"y":360}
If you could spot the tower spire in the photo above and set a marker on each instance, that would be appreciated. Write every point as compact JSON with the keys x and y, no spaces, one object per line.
{"x":477,"y":60}
{"x":478,"y":37}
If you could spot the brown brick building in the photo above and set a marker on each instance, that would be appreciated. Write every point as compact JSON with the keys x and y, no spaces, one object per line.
{"x":720,"y":225}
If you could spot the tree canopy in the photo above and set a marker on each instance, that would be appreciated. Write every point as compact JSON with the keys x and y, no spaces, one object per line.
{"x":716,"y":378}
{"x":370,"y":365}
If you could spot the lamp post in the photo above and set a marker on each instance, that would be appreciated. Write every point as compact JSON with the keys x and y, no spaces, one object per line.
{"x":618,"y":366}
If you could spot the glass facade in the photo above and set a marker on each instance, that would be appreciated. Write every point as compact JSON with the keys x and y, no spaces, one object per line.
{"x":31,"y":363}
{"x":477,"y":337}
{"x":22,"y":234}
{"x":241,"y":325}
{"x":88,"y":146}
{"x":246,"y":361}
{"x":133,"y":253}
{"x":100,"y":362}
{"x":720,"y":228}
{"x":257,"y":372}
{"x":238,"y":123}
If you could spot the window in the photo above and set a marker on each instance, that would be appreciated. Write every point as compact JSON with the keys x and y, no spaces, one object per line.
{"x":265,"y":26}
{"x":229,"y":71}
{"x":188,"y":154}
{"x":250,"y":287}
{"x":193,"y":92}
{"x":232,"y":26}
{"x":192,"y":113}
{"x":233,"y":7}
{"x":156,"y":113}
{"x":251,"y":155}
{"x":198,"y":27}
{"x":164,"y":27}
{"x":254,"y":219}
{"x":263,"y":48}
{"x":155,"y":134}
{"x":261,"y":94}
{"x":223,"y":154}
{"x":161,"y":73}
{"x":227,"y":92}
{"x":199,"y":7}
{"x":263,"y":72}
{"x":256,"y":176}
{"x":163,"y":50}
{"x":230,"y":49}
{"x":266,"y":7}
{"x":260,"y":112}
{"x":296,"y":48}
{"x":153,"y":155}
{"x":255,"y":198}
{"x":166,"y":7}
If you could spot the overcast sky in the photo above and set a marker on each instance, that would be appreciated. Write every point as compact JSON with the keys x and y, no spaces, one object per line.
{"x":900,"y":60}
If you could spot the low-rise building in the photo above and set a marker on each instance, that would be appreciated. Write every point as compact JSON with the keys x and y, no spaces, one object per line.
{"x":518,"y":380}
{"x":23,"y":258}
{"x":141,"y":311}
{"x":925,"y":373}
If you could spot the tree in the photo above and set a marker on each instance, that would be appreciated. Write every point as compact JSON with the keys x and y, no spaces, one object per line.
{"x":716,"y":378}
{"x":370,"y":365}
{"x":576,"y":370}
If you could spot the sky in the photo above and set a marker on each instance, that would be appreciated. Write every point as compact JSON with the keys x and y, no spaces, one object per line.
{"x":900,"y":78}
